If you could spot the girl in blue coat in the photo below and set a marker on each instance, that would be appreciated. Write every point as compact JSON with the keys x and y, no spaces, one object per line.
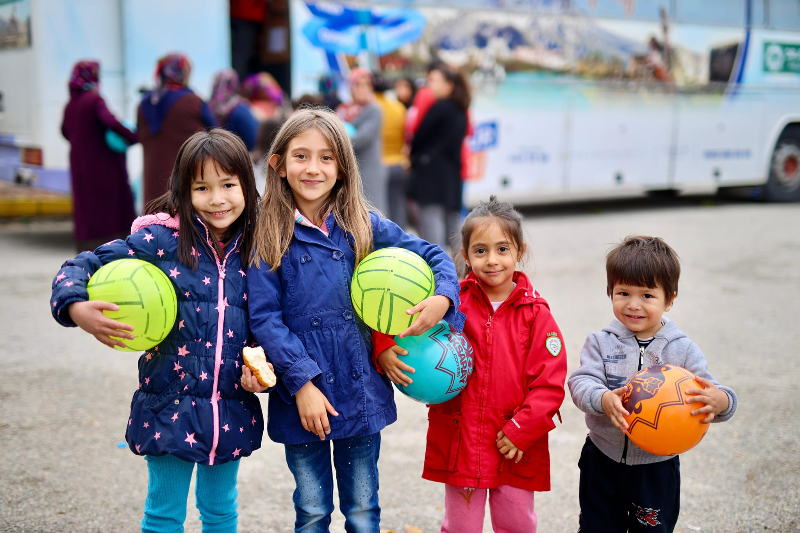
{"x":189,"y":407}
{"x":314,"y":226}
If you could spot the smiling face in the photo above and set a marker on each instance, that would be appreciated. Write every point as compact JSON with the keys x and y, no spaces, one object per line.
{"x":640,"y":308}
{"x":493,"y":257}
{"x":217,"y":197}
{"x":311,"y":169}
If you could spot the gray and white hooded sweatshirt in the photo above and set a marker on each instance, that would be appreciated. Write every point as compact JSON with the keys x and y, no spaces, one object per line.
{"x":609,"y":358}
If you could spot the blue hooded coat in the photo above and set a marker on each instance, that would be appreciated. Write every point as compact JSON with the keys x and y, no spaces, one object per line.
{"x":302,"y":315}
{"x":189,"y":402}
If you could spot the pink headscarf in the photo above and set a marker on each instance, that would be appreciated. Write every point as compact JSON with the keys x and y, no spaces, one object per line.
{"x":225,"y":94}
{"x":350,"y":111}
{"x":85,"y":77}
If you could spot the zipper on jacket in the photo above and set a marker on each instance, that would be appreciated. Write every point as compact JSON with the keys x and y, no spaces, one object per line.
{"x":488,"y":326}
{"x":218,"y":349}
{"x":625,"y":449}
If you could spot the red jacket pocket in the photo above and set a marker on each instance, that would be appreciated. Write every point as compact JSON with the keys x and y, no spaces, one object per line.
{"x":530,"y":465}
{"x":444,"y":431}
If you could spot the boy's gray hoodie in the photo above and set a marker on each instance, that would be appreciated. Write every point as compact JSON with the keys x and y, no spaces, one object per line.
{"x":609,"y":358}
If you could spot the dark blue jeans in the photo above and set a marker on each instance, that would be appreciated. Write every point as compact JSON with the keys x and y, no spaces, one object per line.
{"x":356,"y":462}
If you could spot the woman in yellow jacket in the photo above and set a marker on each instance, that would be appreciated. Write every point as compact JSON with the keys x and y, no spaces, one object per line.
{"x":395,"y":158}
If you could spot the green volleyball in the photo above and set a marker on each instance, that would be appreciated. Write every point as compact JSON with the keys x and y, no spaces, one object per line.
{"x":386,"y":284}
{"x":145,"y":296}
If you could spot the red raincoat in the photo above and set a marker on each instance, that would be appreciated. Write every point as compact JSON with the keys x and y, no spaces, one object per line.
{"x":517,"y":385}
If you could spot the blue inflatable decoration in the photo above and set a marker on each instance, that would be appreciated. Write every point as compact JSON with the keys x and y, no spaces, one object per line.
{"x":115,"y":141}
{"x":442,"y":360}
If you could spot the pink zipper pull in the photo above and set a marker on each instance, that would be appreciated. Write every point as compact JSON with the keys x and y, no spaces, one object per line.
{"x":489,"y":330}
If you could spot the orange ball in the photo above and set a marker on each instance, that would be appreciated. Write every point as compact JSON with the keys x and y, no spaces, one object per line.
{"x":660,"y":420}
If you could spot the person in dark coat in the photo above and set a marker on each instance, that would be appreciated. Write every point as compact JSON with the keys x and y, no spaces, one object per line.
{"x":102,"y":202}
{"x":435,"y":184}
{"x":168,"y":115}
{"x":231,"y":110}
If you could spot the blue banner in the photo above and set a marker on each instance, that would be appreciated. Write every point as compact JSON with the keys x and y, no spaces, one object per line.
{"x":336,"y":28}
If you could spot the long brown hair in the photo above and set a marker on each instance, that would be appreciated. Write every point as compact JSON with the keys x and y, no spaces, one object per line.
{"x":275,"y":226}
{"x":461,"y":94}
{"x":228,"y":153}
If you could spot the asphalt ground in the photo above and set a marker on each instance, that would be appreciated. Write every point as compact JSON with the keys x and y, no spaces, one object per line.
{"x":64,"y":398}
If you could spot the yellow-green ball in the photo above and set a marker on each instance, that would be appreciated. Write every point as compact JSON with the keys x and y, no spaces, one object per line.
{"x":386,"y":284}
{"x":145,"y":296}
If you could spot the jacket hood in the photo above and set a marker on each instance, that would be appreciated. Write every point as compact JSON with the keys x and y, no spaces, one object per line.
{"x":157,"y":219}
{"x":668,"y":331}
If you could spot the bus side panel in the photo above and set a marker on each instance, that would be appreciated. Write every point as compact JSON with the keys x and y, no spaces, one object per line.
{"x":517,"y":156}
{"x":64,"y":33}
{"x":772,"y":67}
{"x":621,"y":141}
{"x":16,"y":85}
{"x":719,"y":140}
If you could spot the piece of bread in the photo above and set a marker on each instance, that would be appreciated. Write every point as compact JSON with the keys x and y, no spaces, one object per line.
{"x":256,"y":361}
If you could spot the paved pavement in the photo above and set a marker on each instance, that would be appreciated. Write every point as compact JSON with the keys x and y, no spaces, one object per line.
{"x":64,"y":398}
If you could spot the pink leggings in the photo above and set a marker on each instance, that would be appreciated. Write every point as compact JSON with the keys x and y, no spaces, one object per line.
{"x":511,"y":510}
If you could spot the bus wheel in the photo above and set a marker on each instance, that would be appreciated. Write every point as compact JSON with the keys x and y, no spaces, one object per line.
{"x":784,"y":175}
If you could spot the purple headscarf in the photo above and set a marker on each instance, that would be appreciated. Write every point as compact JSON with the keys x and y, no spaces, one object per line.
{"x":225,"y":94}
{"x":262,"y":86}
{"x":85,"y":77}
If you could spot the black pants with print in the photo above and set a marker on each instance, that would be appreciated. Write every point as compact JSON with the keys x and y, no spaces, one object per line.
{"x":615,"y":497}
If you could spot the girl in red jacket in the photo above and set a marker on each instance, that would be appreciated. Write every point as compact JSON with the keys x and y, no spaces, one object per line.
{"x":492,"y":438}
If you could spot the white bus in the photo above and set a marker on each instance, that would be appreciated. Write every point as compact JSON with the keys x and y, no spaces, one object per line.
{"x":571,"y":98}
{"x":588,"y":98}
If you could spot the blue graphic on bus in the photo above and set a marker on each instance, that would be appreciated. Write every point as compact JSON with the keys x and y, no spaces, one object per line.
{"x":484,"y":136}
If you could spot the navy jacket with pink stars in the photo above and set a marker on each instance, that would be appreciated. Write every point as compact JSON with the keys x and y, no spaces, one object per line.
{"x":189,"y":402}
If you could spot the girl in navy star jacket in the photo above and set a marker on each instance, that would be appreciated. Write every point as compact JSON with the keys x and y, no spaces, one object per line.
{"x":314,"y":227}
{"x":190,"y":407}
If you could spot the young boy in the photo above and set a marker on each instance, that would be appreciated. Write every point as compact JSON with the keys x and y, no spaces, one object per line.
{"x":622,"y":487}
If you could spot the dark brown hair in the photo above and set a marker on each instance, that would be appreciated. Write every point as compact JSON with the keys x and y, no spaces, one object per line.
{"x":503,"y":213}
{"x":227,"y":153}
{"x":644,"y":262}
{"x":461,"y":93}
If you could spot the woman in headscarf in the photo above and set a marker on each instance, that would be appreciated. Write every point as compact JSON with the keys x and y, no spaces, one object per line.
{"x":231,"y":110}
{"x":102,"y":202}
{"x":364,"y":114}
{"x":168,"y":115}
{"x":264,"y":96}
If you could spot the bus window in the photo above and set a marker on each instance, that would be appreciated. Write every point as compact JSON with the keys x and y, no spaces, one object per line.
{"x":639,"y":9}
{"x":784,"y":14}
{"x":722,"y":12}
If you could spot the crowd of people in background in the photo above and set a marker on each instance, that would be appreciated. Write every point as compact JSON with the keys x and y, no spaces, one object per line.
{"x":409,"y":135}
